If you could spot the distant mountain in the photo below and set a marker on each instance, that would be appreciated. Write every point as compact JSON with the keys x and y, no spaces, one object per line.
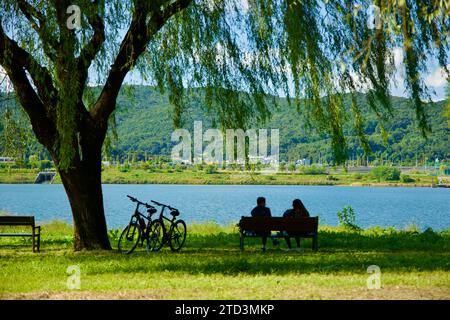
{"x":144,"y":125}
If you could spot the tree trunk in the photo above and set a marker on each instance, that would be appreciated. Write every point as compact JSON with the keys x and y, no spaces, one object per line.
{"x":83,"y":187}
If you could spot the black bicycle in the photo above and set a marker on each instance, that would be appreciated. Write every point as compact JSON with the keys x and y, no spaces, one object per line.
{"x":160,"y":234}
{"x":137,"y":229}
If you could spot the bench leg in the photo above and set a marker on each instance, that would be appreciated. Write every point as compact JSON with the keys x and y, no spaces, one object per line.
{"x":34,"y":239}
{"x":39,"y":239}
{"x":314,"y":243}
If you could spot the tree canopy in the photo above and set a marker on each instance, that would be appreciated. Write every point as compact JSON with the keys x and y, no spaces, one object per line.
{"x":239,"y":51}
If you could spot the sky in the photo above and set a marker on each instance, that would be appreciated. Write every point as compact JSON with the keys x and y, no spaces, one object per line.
{"x":434,"y":78}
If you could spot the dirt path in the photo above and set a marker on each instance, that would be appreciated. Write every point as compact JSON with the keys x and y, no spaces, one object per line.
{"x":384,"y":293}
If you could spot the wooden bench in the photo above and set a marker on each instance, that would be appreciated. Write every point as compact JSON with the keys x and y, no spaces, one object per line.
{"x":23,"y":221}
{"x":295,"y":227}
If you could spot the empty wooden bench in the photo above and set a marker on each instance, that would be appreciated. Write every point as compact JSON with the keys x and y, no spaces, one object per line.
{"x":295,"y":227}
{"x":35,"y":233}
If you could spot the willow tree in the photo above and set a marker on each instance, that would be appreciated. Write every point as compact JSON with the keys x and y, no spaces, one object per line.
{"x":241,"y":53}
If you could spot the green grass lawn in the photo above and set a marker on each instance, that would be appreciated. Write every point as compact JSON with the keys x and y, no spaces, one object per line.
{"x":413,"y":265}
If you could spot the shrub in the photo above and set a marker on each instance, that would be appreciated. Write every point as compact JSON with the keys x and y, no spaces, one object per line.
{"x":384,"y":173}
{"x":210,"y":169}
{"x":143,"y":165}
{"x":313,"y":170}
{"x":347,"y":218}
{"x":125,"y":168}
{"x":406,"y":178}
{"x":33,"y":160}
{"x":198,"y":167}
{"x":357,"y":176}
{"x":45,"y":164}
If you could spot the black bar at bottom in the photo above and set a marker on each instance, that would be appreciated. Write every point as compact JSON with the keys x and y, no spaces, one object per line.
{"x":216,"y":309}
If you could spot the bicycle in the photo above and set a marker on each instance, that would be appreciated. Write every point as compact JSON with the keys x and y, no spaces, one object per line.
{"x":158,"y":234}
{"x":137,"y":229}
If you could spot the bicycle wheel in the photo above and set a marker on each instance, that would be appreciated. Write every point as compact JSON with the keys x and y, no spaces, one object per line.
{"x":178,"y":235}
{"x":129,"y":238}
{"x":156,"y":235}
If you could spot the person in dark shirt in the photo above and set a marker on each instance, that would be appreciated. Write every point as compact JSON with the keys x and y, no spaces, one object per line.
{"x":298,"y":210}
{"x":262,"y":211}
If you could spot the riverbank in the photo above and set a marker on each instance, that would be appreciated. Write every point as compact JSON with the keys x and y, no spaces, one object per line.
{"x":413,"y":265}
{"x":140,"y":176}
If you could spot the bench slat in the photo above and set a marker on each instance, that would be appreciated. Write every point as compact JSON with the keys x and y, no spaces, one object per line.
{"x":16,"y":221}
{"x":305,"y":227}
{"x":295,"y":225}
{"x":22,"y":221}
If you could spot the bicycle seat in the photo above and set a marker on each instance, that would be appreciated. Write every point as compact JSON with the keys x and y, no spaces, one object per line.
{"x":175,"y":212}
{"x":152,"y":211}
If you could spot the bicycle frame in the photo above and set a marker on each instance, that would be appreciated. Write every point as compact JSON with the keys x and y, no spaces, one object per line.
{"x":161,"y":233}
{"x":139,"y":219}
{"x":167,"y":233}
{"x":137,"y":215}
{"x":161,"y":215}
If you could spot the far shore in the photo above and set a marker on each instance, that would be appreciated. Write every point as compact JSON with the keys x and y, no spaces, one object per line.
{"x":191,"y":177}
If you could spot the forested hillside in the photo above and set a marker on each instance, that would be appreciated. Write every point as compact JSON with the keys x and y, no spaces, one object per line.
{"x":144,"y":127}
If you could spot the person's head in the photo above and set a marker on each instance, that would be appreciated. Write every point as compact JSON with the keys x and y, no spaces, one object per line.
{"x":297,"y":205}
{"x":261,"y":202}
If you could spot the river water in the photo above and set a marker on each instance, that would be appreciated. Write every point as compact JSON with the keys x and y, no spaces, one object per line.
{"x":225,"y":204}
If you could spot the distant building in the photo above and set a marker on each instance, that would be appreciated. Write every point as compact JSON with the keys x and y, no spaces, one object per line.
{"x":303,"y":162}
{"x":263,"y":160}
{"x":6,"y":160}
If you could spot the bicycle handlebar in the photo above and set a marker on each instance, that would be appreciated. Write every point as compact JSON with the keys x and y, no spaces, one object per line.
{"x":140,"y":202}
{"x":155,"y":202}
{"x":132,"y":199}
{"x":163,"y":205}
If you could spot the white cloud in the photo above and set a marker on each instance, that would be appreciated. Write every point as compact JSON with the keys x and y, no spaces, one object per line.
{"x":5,"y":84}
{"x":398,"y":56}
{"x":400,"y":72}
{"x":438,"y":78}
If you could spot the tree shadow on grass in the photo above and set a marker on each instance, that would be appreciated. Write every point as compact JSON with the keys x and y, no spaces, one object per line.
{"x":229,"y":262}
{"x":218,"y":253}
{"x":339,"y":251}
{"x":384,"y":240}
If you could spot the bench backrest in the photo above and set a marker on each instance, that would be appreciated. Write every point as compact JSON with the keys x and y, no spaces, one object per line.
{"x":289,"y":224}
{"x":16,"y":221}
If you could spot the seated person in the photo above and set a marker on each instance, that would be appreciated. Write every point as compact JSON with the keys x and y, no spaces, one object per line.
{"x":298,"y":210}
{"x":262,"y":211}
